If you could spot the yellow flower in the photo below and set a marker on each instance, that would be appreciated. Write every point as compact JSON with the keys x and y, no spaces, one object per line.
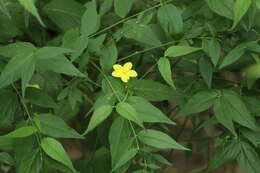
{"x":124,"y":72}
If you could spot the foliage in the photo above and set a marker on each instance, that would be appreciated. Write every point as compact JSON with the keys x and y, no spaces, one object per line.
{"x":197,"y":57}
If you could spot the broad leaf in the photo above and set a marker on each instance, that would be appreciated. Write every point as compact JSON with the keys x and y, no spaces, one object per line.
{"x":21,"y":132}
{"x":40,"y":98}
{"x":230,"y":107}
{"x":59,"y":64}
{"x":66,"y":14}
{"x":213,"y":49}
{"x":248,"y":159}
{"x":99,"y":115}
{"x":6,"y":158}
{"x":128,"y":155}
{"x":142,"y":33}
{"x":8,"y":107}
{"x":29,"y":5}
{"x":3,"y":9}
{"x":90,"y":19}
{"x":31,"y":162}
{"x":206,"y":70}
{"x":199,"y":102}
{"x":158,"y":139}
{"x":152,"y":91}
{"x":222,"y":7}
{"x":147,"y":112}
{"x":170,"y":18}
{"x":128,"y":112}
{"x":240,"y":9}
{"x":54,"y":126}
{"x":165,"y":70}
{"x":14,"y":49}
{"x":122,"y":7}
{"x":228,"y":151}
{"x":120,"y":140}
{"x":16,"y":68}
{"x":55,"y":150}
{"x":175,"y":51}
{"x":50,"y":52}
{"x":233,"y":55}
{"x":108,"y":56}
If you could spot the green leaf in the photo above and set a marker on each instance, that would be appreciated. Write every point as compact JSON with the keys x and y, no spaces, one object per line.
{"x":40,"y":98}
{"x":228,"y":151}
{"x":99,"y":115}
{"x":6,"y":158}
{"x":123,"y":7}
{"x":74,"y":41}
{"x":29,"y":5}
{"x":170,"y":19}
{"x":59,"y":64}
{"x":199,"y":102}
{"x":222,"y":7}
{"x":9,"y":28}
{"x":104,"y":99}
{"x":50,"y":52}
{"x":258,"y":4}
{"x":161,"y":159}
{"x":240,"y":9}
{"x":128,"y":155}
{"x":252,"y":136}
{"x":16,"y":68}
{"x":248,"y":159}
{"x":54,"y":126}
{"x":206,"y":70}
{"x":105,"y":7}
{"x":113,"y":86}
{"x":80,"y":44}
{"x":165,"y":70}
{"x":95,"y":44}
{"x":3,"y":9}
{"x":147,"y":112}
{"x":151,"y":90}
{"x":252,"y":73}
{"x":108,"y":56}
{"x":213,"y":49}
{"x":55,"y":150}
{"x":231,"y":105}
{"x":90,"y":19}
{"x":233,"y":55}
{"x":74,"y":97}
{"x":128,"y":112}
{"x":66,"y":14}
{"x":8,"y":107}
{"x":159,"y":140}
{"x":223,"y":113}
{"x":142,"y":33}
{"x":21,"y":132}
{"x":14,"y":49}
{"x":31,"y":162}
{"x":175,"y":51}
{"x":120,"y":140}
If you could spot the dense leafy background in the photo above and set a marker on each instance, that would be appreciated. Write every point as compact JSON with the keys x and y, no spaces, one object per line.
{"x":198,"y":66}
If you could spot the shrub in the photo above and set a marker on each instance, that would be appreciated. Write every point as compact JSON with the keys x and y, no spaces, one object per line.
{"x":119,"y":80}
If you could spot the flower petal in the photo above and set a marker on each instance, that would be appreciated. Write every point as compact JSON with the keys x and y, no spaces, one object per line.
{"x":117,"y":67}
{"x":132,"y":73}
{"x":128,"y":66}
{"x":117,"y":73}
{"x":125,"y":78}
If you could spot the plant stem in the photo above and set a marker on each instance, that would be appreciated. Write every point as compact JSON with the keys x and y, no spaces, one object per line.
{"x":127,"y":18}
{"x":146,"y":50}
{"x":38,"y":137}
